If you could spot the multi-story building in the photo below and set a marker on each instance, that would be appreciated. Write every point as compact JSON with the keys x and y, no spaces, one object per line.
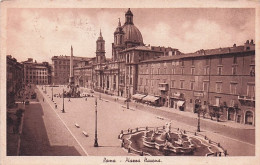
{"x":83,"y":73}
{"x":223,"y":77}
{"x":119,"y":75}
{"x":14,"y":79}
{"x":36,"y":73}
{"x":61,"y":68}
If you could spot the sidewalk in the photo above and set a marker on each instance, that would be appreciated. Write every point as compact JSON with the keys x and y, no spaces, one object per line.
{"x":138,"y":106}
{"x":13,"y":131}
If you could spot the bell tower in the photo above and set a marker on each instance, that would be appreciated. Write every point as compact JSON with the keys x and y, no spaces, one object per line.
{"x":118,"y":44}
{"x":100,"y":49}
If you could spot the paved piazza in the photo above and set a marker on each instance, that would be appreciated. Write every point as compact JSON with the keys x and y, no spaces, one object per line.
{"x":112,"y":118}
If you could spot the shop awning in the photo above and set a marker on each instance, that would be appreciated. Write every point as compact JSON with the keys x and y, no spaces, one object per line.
{"x":180,"y":103}
{"x":138,"y":96}
{"x":150,"y":98}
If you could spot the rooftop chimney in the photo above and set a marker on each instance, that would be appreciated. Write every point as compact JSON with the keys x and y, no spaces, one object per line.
{"x":247,"y":41}
{"x":252,"y":42}
{"x":234,"y":45}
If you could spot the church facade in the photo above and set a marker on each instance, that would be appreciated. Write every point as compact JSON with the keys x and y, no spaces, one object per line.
{"x":119,"y":75}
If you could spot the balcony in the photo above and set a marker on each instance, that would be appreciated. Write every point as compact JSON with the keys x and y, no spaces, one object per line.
{"x":247,"y":101}
{"x":163,"y":87}
{"x":246,"y":98}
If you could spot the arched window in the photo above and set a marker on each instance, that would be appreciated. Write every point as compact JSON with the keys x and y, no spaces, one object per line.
{"x":121,"y":39}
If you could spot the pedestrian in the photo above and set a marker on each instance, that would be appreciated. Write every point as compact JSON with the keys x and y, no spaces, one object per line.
{"x":55,"y":106}
{"x":43,"y":99}
{"x":69,"y":99}
{"x":86,"y":99}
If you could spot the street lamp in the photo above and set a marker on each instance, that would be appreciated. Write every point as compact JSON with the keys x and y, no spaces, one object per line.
{"x":63,"y":111}
{"x":96,"y":140}
{"x":198,"y":111}
{"x":198,"y":129}
{"x":127,"y":100}
{"x":52,"y":94}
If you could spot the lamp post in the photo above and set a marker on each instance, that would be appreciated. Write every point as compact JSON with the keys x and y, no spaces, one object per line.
{"x":127,"y":100}
{"x":96,"y":140}
{"x":63,"y":111}
{"x":198,"y":129}
{"x":52,"y":94}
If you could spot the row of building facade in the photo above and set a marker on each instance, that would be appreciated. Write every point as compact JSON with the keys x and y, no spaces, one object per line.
{"x":19,"y":74}
{"x":222,"y":77}
{"x":14,"y":79}
{"x":214,"y":78}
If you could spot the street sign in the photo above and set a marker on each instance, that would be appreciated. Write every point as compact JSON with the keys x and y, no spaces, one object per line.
{"x":198,"y":94}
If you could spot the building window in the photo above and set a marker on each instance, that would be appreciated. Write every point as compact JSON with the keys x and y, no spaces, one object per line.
{"x":217,"y":101}
{"x":173,"y":70}
{"x":232,"y":103}
{"x":182,"y":63}
{"x":146,"y":83}
{"x":191,"y":86}
{"x":205,"y":102}
{"x":251,"y":90}
{"x":182,"y":84}
{"x":158,"y":71}
{"x":234,"y":70}
{"x":182,"y":71}
{"x":152,"y":71}
{"x":205,"y":86}
{"x":220,"y":61}
{"x":190,"y":100}
{"x":233,"y":88}
{"x":235,"y":60}
{"x":172,"y":83}
{"x":207,"y":61}
{"x":219,"y":70}
{"x":192,"y":71}
{"x":206,"y":71}
{"x":252,"y":70}
{"x":218,"y":87}
{"x":192,"y":62}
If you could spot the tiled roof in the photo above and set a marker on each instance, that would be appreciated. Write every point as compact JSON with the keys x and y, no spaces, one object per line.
{"x":202,"y":53}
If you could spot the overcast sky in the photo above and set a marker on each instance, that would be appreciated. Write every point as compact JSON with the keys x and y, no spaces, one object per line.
{"x":43,"y":33}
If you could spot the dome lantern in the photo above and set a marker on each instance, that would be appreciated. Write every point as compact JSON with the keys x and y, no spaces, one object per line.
{"x":129,"y":17}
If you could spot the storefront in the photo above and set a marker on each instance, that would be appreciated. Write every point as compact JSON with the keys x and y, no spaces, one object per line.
{"x":177,"y":101}
{"x":249,"y":117}
{"x":138,"y":97}
{"x":151,"y":100}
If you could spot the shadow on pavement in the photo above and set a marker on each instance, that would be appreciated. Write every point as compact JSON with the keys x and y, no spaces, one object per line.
{"x":34,"y":138}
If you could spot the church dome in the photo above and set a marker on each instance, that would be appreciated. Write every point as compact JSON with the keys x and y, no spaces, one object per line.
{"x":132,"y":34}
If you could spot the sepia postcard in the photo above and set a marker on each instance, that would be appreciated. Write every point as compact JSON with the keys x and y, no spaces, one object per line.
{"x":129,"y":82}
